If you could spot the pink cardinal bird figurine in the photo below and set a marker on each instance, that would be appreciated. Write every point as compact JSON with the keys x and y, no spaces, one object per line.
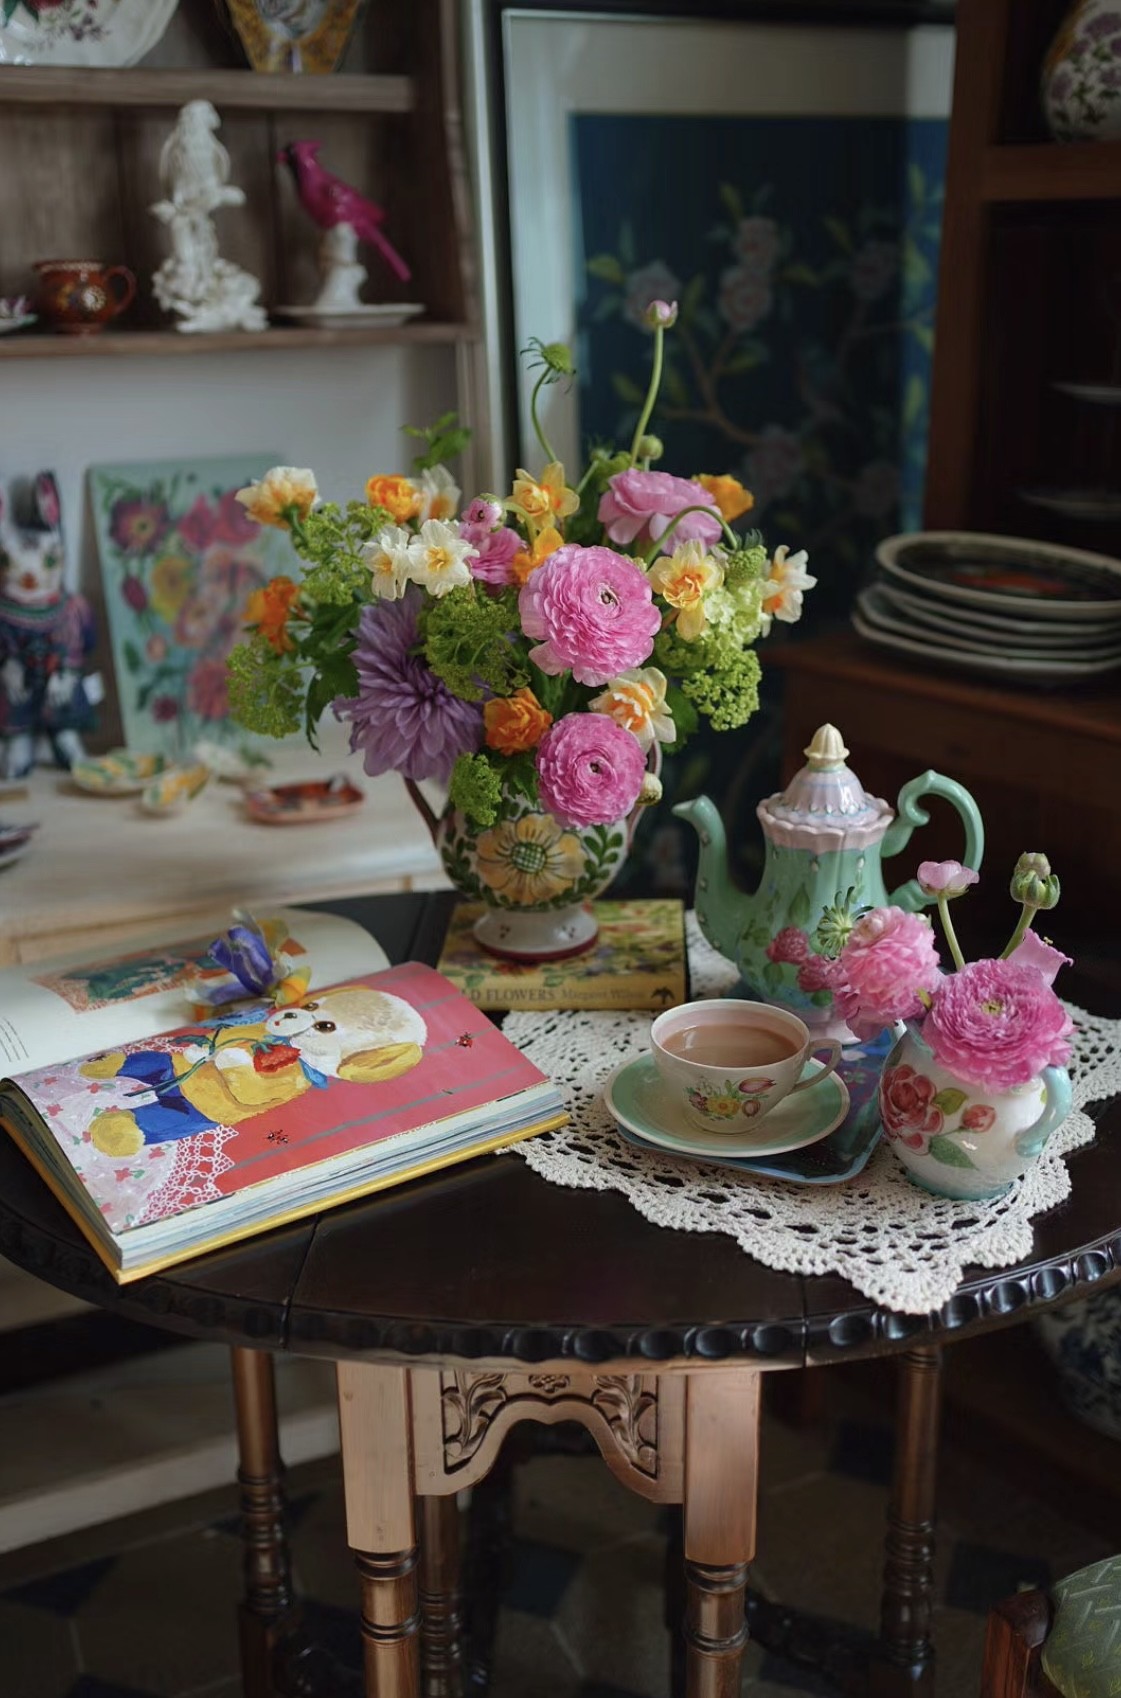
{"x":330,"y":202}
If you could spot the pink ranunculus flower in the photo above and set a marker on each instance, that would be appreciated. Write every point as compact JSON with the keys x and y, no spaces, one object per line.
{"x":790,"y":944}
{"x":639,"y":505}
{"x":479,"y":519}
{"x":890,"y":956}
{"x":997,"y":1024}
{"x":595,"y":612}
{"x":945,"y":878}
{"x":1034,"y":951}
{"x":818,"y":973}
{"x":494,"y":554}
{"x":589,"y":770}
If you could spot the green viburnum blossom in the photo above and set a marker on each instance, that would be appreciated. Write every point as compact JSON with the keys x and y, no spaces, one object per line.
{"x":476,"y":789}
{"x":716,"y":673}
{"x":333,"y":541}
{"x":266,"y":689}
{"x":467,"y":642}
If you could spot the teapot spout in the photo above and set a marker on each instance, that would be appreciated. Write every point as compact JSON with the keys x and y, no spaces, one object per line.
{"x":723,"y":910}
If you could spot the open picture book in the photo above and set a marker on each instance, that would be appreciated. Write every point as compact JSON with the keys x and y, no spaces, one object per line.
{"x":167,"y":1126}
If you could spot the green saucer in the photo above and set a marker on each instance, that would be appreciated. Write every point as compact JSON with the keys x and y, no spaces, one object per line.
{"x":637,"y":1099}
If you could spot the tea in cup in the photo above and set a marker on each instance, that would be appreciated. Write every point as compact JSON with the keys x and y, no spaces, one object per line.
{"x":80,"y":296}
{"x":727,"y":1063}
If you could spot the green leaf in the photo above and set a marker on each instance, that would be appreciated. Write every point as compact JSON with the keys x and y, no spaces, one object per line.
{"x":772,"y":975}
{"x":840,"y":233}
{"x":924,"y":336}
{"x":800,"y":908}
{"x":607,"y":267}
{"x":799,"y":272}
{"x":916,"y":267}
{"x":916,"y":179}
{"x":821,"y":998}
{"x":132,"y":657}
{"x":948,"y":1153}
{"x":914,"y":400}
{"x":626,"y":389}
{"x":949,"y":1100}
{"x":731,"y":199}
{"x":693,"y":295}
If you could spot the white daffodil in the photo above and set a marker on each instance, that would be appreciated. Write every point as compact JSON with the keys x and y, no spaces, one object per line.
{"x":784,"y":587}
{"x":636,"y":700}
{"x":389,"y":561}
{"x":438,"y":558}
{"x":282,"y":492}
{"x":439,"y":494}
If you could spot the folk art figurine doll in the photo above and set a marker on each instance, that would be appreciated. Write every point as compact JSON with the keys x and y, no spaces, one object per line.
{"x":46,"y":635}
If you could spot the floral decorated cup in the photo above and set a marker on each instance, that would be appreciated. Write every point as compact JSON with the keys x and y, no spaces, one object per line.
{"x":725,"y":1061}
{"x":962,"y":1140}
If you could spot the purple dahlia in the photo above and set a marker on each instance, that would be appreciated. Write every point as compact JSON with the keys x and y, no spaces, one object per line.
{"x":404,"y":719}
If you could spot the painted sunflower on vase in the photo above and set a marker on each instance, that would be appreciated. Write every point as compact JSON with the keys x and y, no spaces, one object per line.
{"x":534,"y":652}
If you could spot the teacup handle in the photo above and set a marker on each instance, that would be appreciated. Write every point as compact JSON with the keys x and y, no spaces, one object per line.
{"x":834,"y":1048}
{"x":122,"y":287}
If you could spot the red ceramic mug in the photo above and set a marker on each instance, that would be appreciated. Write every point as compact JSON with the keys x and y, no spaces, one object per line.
{"x":80,"y":296}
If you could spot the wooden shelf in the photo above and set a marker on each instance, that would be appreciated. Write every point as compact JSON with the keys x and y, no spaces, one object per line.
{"x":120,"y":344}
{"x":1052,"y":171}
{"x":253,"y":91}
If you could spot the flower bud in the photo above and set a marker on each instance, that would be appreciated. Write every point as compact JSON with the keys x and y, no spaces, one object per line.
{"x":1033,"y":882}
{"x":650,"y":448}
{"x":558,"y":357}
{"x":651,"y":791}
{"x":660,"y":315}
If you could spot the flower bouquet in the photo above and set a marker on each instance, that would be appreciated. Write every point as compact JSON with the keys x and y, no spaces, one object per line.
{"x":976,"y":1082}
{"x":535,"y":653}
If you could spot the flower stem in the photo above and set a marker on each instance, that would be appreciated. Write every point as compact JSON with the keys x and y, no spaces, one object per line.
{"x":546,"y":445}
{"x":1023,"y":924}
{"x":651,"y":393}
{"x":948,"y":929}
{"x":659,"y":544}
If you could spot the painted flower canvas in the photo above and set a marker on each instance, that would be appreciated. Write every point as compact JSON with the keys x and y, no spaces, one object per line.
{"x":180,"y":559}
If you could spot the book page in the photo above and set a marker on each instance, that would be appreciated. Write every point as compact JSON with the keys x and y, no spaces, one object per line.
{"x":56,"y":1011}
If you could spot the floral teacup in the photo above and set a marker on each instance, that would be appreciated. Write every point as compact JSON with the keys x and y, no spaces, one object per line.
{"x":725,"y":1061}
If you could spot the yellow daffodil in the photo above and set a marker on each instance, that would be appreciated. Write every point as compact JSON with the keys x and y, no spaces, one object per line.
{"x":681,"y":579}
{"x":527,"y":560}
{"x":544,"y":499}
{"x":636,"y":700}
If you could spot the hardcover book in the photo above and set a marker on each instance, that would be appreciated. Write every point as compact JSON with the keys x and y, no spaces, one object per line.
{"x":637,"y":961}
{"x":162,"y":1147}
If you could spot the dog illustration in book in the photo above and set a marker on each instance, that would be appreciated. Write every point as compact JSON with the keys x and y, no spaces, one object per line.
{"x":352,"y":1033}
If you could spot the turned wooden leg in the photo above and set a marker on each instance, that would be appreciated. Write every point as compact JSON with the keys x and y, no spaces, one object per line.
{"x":721,"y":1467}
{"x":268,"y":1606}
{"x":374,"y":1422}
{"x":441,"y":1651}
{"x":903,"y":1666}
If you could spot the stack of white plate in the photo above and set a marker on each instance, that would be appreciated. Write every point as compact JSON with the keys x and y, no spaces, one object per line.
{"x":1003,"y":606}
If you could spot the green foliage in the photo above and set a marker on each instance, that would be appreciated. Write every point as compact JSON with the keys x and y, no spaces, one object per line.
{"x":266,"y":691}
{"x":472,"y":640}
{"x":476,"y":788}
{"x":717,"y":675}
{"x":443,"y":440}
{"x":333,"y":540}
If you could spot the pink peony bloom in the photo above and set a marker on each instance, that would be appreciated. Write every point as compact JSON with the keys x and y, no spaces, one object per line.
{"x":1033,"y":951}
{"x":790,"y":944}
{"x":819,"y":973}
{"x":890,"y":956}
{"x":997,"y":1024}
{"x":589,"y":770}
{"x":595,"y":611}
{"x":945,"y":878}
{"x":494,"y":554}
{"x":641,"y":504}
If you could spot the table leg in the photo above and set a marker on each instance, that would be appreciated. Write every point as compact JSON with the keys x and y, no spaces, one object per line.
{"x":375,"y":1429}
{"x":441,"y":1648}
{"x":268,"y":1605}
{"x":721,"y":1469}
{"x":903,"y":1664}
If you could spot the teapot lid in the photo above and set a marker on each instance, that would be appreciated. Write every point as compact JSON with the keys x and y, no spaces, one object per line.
{"x":825,"y":806}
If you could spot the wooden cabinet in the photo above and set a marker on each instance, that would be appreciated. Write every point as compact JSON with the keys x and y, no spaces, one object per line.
{"x":80,"y":151}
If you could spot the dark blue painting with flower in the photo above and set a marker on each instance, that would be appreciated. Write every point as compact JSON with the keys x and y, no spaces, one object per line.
{"x":803,"y":252}
{"x":180,"y":558}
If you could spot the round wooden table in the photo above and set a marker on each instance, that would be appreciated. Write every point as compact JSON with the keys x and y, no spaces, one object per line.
{"x":464,"y":1303}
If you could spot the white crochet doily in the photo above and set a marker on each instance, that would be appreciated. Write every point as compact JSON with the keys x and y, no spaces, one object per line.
{"x":895,"y":1243}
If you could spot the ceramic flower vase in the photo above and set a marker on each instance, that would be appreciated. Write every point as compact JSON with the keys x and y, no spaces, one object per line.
{"x":1081,"y":82}
{"x":535,"y":876}
{"x":962,"y":1140}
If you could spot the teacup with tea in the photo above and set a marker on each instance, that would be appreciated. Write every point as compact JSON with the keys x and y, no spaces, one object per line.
{"x":727,"y":1062}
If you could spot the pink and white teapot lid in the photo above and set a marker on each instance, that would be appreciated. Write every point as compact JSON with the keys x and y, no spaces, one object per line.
{"x":825,"y":807}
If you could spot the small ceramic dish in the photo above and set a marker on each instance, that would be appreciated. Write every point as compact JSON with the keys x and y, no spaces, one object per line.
{"x":232,"y":766}
{"x":304,"y":803}
{"x":122,"y":772}
{"x":15,"y":313}
{"x":993,"y":665}
{"x":174,"y":788}
{"x":636,"y":1097}
{"x":1006,"y":574}
{"x":384,"y":315}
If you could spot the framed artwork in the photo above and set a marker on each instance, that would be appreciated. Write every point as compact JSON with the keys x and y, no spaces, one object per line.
{"x":179,"y":558}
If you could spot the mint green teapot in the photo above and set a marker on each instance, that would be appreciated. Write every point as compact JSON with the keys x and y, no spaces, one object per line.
{"x":826,"y":838}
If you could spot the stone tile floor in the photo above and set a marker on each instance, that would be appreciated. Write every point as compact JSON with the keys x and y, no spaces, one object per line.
{"x":144,"y":1608}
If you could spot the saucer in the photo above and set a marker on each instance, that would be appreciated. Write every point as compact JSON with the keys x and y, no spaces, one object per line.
{"x":636,"y":1097}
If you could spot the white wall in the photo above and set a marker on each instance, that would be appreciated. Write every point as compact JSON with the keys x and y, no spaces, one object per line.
{"x":339,"y":410}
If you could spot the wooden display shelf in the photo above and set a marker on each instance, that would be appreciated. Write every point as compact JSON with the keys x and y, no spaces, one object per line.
{"x":121,"y":344}
{"x":251,"y":91}
{"x":1052,"y":171}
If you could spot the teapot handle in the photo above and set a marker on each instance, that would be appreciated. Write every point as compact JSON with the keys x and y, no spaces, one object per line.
{"x":910,"y":814}
{"x":1057,"y":1098}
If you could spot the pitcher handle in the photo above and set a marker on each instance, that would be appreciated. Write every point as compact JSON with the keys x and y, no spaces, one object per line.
{"x":910,"y":815}
{"x":1057,"y":1100}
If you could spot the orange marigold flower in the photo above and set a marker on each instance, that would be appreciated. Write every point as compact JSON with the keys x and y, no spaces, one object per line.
{"x":399,"y":496}
{"x":729,"y":495}
{"x":268,"y":609}
{"x":527,"y":560}
{"x":515,"y":723}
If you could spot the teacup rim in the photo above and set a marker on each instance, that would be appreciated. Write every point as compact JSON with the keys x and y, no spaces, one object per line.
{"x":784,"y":1018}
